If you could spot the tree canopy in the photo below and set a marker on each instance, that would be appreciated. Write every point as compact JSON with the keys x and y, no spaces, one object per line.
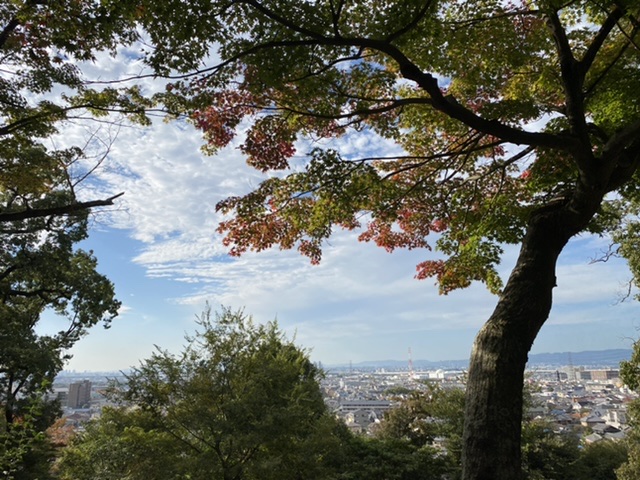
{"x":42,"y":86}
{"x":513,"y":122}
{"x":453,"y":84}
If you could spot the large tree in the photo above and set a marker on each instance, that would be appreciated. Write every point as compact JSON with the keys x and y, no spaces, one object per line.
{"x":516,"y":123}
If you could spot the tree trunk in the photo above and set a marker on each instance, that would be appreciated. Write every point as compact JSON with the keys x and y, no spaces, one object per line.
{"x":493,"y":412}
{"x":8,"y":406}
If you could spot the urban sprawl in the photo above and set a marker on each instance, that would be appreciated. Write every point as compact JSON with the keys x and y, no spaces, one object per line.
{"x":591,"y":403}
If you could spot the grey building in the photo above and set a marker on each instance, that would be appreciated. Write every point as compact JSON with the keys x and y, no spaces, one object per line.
{"x":79,"y":394}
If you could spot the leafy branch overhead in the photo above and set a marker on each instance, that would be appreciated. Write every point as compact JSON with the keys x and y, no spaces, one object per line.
{"x":501,"y":111}
{"x":43,"y":88}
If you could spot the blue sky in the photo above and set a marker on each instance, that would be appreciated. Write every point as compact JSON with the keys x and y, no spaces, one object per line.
{"x":360,"y":304}
{"x":160,"y":248}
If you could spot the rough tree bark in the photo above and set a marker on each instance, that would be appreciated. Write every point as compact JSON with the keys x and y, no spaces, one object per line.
{"x":60,"y":210}
{"x":493,"y":415}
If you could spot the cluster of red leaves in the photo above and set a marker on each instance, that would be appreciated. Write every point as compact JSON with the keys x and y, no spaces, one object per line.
{"x":269,"y":144}
{"x":242,"y":235}
{"x":439,"y":225}
{"x":496,"y":150}
{"x":312,"y":250}
{"x":383,"y":234}
{"x":252,"y":234}
{"x":449,"y":275}
{"x":525,"y":175}
{"x":482,"y":98}
{"x":524,"y":24}
{"x":430,"y":268}
{"x":259,"y":230}
{"x":219,"y":120}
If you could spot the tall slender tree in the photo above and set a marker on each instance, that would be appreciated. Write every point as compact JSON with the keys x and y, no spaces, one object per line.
{"x":516,"y":123}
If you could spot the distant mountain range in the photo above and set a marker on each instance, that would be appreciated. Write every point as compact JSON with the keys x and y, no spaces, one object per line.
{"x":592,"y":358}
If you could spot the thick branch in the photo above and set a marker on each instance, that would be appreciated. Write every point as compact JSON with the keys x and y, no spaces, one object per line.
{"x":572,"y":81}
{"x":621,"y":140}
{"x":410,"y":71}
{"x":282,"y":20}
{"x":414,"y":22}
{"x":8,"y":272}
{"x":506,"y":14}
{"x":598,"y":41}
{"x":26,"y":121}
{"x":630,"y":41}
{"x":624,"y":170}
{"x":42,"y":293}
{"x":455,"y":110}
{"x":336,"y":12}
{"x":365,"y":112}
{"x":636,"y":25}
{"x":14,"y":22}
{"x":8,"y":30}
{"x":429,"y":84}
{"x":61,"y":210}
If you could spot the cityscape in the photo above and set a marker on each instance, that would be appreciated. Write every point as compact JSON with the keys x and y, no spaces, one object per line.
{"x":588,"y":400}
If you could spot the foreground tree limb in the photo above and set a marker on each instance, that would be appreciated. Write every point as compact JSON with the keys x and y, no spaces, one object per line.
{"x":57,"y":211}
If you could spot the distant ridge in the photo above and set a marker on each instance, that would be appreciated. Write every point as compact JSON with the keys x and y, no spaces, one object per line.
{"x":590,"y":358}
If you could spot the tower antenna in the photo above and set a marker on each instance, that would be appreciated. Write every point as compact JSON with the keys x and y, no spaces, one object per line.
{"x":411,"y":374}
